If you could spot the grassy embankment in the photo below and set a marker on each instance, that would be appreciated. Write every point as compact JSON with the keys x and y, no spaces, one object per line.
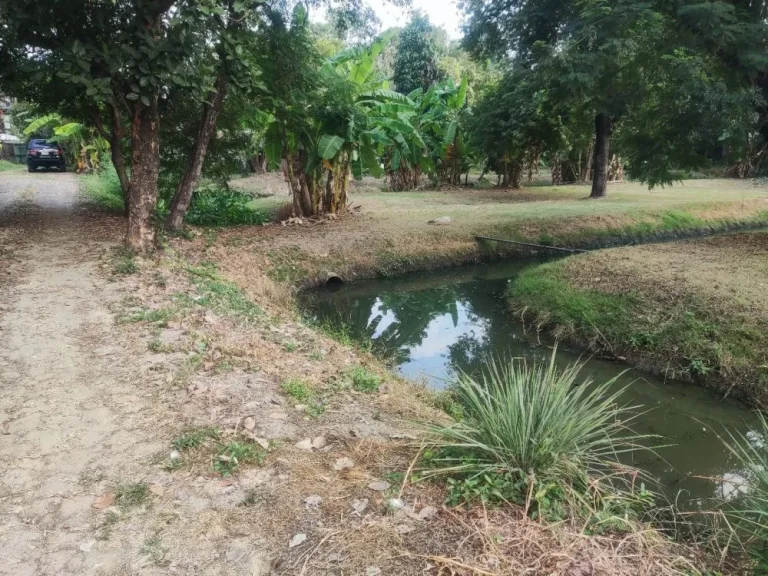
{"x":695,"y":309}
{"x":391,"y":234}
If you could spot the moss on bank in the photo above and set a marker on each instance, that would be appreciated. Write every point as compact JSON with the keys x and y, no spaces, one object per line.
{"x":612,"y":304}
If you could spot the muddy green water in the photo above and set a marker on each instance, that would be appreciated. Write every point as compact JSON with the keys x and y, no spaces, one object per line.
{"x":433,"y":323}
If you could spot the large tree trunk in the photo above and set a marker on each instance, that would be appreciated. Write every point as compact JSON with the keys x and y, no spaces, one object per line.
{"x":145,"y":165}
{"x":183,"y":196}
{"x":603,"y":131}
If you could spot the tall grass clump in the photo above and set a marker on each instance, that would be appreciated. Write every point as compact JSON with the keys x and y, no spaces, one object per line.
{"x":103,"y":189}
{"x":537,"y":435}
{"x":750,"y":511}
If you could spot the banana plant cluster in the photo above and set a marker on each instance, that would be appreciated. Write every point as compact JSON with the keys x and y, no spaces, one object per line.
{"x":81,"y":143}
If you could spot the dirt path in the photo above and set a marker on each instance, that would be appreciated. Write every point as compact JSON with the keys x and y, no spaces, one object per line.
{"x":70,"y":419}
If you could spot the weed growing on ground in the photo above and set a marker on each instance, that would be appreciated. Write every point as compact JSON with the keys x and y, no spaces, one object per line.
{"x":290,"y":346}
{"x":159,"y":317}
{"x":221,"y":295}
{"x":232,"y":454}
{"x":129,"y":496}
{"x":531,"y":434}
{"x":155,"y":345}
{"x":195,"y":437}
{"x":6,"y":166}
{"x":124,"y":262}
{"x":298,"y":390}
{"x":158,"y":554}
{"x":364,"y":380}
{"x":750,"y":510}
{"x":303,"y":394}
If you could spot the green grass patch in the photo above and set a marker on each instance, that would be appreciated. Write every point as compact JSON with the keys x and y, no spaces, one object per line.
{"x":302,"y":393}
{"x":6,"y":166}
{"x":232,"y":454}
{"x":128,"y":496}
{"x":221,"y":295}
{"x":686,"y":338}
{"x":103,"y":190}
{"x":364,"y":380}
{"x":195,"y":437}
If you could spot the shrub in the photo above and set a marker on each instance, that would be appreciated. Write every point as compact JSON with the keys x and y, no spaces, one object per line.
{"x":751,"y":510}
{"x":214,"y":205}
{"x":364,"y":380}
{"x":531,"y":433}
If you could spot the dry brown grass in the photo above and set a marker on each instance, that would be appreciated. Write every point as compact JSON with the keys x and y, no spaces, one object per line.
{"x":390,"y":235}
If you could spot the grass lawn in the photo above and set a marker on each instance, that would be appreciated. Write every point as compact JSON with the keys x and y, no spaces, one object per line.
{"x":389,"y":234}
{"x":696,"y":309}
{"x":6,"y":166}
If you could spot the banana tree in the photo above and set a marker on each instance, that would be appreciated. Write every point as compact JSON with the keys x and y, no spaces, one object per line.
{"x":340,"y":123}
{"x":80,"y":142}
{"x":442,"y":113}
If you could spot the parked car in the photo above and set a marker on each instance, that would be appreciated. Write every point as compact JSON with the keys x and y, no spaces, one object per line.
{"x":40,"y":152}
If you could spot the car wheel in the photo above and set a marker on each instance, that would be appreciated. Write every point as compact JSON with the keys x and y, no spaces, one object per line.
{"x":31,"y":167}
{"x":62,"y":167}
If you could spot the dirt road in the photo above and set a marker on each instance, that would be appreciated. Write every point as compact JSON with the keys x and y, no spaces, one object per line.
{"x":71,"y":419}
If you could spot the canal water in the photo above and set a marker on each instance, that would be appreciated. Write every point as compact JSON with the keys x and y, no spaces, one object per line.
{"x":431,"y":324}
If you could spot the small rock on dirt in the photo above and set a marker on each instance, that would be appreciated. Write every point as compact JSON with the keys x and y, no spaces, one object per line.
{"x":372,"y":571}
{"x":104,"y":501}
{"x":427,"y":512}
{"x":343,"y":463}
{"x":297,"y":540}
{"x":359,"y":506}
{"x":263,"y":442}
{"x":249,"y":423}
{"x":313,"y":502}
{"x":442,"y":221}
{"x":207,"y":366}
{"x":319,"y":442}
{"x":404,"y":529}
{"x":87,"y":546}
{"x":278,"y":416}
{"x":305,"y":445}
{"x":379,"y":486}
{"x":175,"y":455}
{"x":581,"y":568}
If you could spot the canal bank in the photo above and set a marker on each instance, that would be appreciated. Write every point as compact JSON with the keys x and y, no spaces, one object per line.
{"x":432,"y":325}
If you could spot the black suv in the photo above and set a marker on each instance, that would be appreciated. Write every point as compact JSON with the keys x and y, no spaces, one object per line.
{"x":43,"y":153}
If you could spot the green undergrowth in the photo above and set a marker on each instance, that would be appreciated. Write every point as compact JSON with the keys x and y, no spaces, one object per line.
{"x":683,"y":339}
{"x":103,"y":191}
{"x":6,"y":166}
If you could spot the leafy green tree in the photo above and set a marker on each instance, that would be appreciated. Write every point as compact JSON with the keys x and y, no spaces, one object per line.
{"x":615,"y":58}
{"x":416,"y":60}
{"x":116,"y":61}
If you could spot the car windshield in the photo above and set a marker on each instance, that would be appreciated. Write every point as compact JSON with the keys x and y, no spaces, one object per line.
{"x":42,"y":144}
